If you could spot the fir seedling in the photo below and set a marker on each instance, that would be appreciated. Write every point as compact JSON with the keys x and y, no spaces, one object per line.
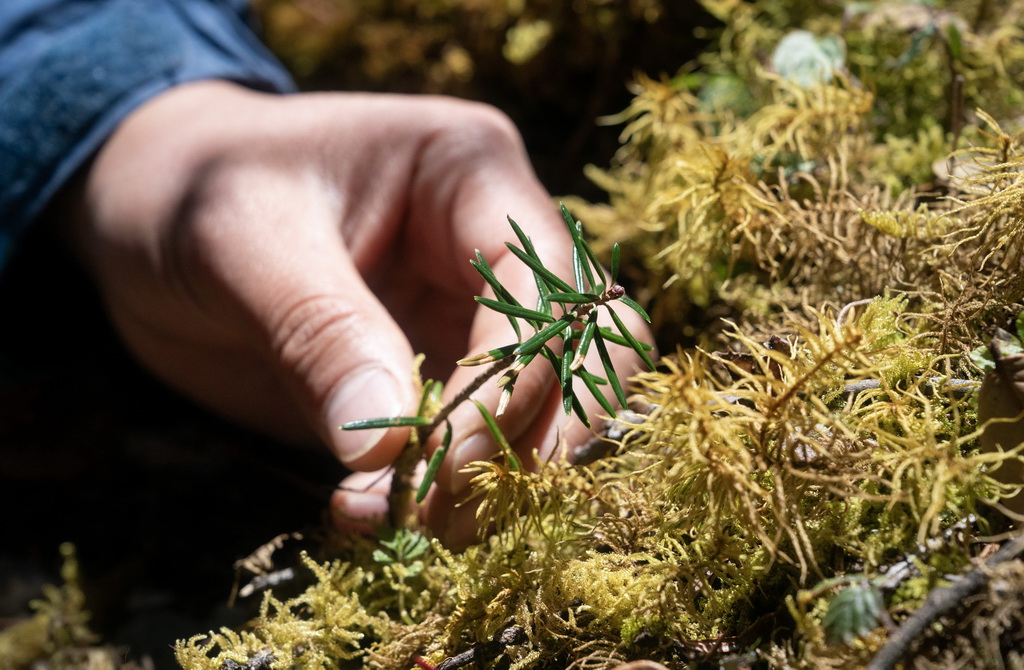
{"x":561,"y":327}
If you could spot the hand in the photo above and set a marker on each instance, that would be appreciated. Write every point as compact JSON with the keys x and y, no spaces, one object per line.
{"x":280,"y":260}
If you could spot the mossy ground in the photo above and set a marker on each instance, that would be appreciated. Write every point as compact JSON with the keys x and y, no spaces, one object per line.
{"x":822,"y":249}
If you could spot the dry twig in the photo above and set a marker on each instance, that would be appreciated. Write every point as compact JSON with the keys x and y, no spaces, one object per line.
{"x":939,"y":602}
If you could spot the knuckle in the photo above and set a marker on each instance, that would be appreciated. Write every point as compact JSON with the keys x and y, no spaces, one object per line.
{"x":482,"y":129}
{"x":493,"y":126}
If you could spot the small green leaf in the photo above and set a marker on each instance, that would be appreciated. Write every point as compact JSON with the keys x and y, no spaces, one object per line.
{"x":591,"y":383}
{"x":529,"y":252}
{"x":615,"y":338}
{"x":596,"y":263}
{"x":565,"y":374}
{"x":582,"y":255}
{"x":555,"y":359}
{"x":616,"y":259}
{"x":515,"y":310}
{"x":574,"y":404}
{"x":404,"y":545}
{"x":956,"y":48}
{"x":524,"y":239}
{"x":633,"y":342}
{"x":542,"y":304}
{"x":852,"y":613}
{"x":485,"y":271}
{"x":492,"y":426}
{"x":581,"y":413}
{"x":572,"y":298}
{"x":380,"y":556}
{"x":577,"y":270}
{"x":982,"y":358}
{"x":392,"y":422}
{"x":430,"y":395}
{"x":435,"y":463}
{"x":585,"y":339}
{"x":632,"y":304}
{"x":538,"y":268}
{"x":500,"y":291}
{"x":609,"y":369}
{"x":537,"y":340}
{"x":542,"y":285}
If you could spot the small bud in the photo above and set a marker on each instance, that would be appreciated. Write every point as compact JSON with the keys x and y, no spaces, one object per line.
{"x":478,"y":359}
{"x":615,"y":292}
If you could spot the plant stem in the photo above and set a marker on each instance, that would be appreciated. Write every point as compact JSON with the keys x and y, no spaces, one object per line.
{"x":405,"y":465}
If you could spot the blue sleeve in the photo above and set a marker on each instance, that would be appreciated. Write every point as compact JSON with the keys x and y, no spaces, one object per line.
{"x":71,"y":70}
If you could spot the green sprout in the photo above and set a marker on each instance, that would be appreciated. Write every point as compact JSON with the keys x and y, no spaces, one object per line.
{"x":401,"y":555}
{"x":561,"y":327}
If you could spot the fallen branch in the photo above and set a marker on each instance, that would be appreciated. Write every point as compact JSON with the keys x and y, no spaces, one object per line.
{"x":939,"y":602}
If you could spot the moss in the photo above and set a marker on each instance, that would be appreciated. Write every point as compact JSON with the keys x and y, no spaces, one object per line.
{"x":806,"y":444}
{"x":57,"y":636}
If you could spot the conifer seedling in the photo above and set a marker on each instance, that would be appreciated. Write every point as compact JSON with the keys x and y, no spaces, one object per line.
{"x":565,"y":312}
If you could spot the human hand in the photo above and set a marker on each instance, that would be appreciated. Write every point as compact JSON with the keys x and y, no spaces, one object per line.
{"x":280,"y":259}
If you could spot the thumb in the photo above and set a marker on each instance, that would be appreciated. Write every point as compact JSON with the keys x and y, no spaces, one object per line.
{"x":345,"y":359}
{"x":330,"y":342}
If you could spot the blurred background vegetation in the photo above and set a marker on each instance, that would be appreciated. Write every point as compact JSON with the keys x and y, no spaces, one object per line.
{"x":554,"y":66}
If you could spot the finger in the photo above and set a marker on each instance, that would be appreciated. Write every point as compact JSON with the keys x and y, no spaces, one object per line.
{"x":360,"y":503}
{"x":481,"y":177}
{"x":451,"y":518}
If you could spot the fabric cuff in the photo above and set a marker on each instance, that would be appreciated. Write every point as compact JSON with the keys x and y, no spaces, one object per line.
{"x":67,"y":94}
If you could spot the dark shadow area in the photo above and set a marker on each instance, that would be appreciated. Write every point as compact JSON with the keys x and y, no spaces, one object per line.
{"x":159,"y":497}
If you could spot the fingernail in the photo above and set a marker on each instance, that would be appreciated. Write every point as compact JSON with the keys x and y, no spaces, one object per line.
{"x":359,"y":511}
{"x":366,"y":394}
{"x":476,"y":447}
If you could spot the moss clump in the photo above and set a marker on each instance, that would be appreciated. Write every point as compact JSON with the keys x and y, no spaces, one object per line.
{"x":728,"y":496}
{"x":57,"y":636}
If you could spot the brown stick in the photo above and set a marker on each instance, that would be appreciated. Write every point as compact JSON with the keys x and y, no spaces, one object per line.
{"x":940,"y":601}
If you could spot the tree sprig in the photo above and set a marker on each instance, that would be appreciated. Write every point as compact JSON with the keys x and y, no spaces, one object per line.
{"x":565,"y":312}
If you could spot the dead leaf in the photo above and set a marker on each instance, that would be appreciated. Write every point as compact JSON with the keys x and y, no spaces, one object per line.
{"x":1001,"y":411}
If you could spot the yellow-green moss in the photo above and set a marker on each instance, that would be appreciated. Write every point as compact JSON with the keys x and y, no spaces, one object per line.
{"x":58,"y":634}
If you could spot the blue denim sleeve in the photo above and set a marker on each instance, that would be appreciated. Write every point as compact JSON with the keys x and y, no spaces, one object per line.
{"x":71,"y":70}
